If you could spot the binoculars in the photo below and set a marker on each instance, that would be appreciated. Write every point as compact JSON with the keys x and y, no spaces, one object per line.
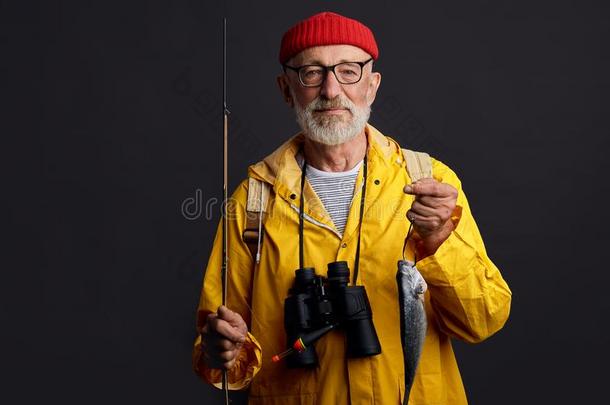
{"x":316,"y":305}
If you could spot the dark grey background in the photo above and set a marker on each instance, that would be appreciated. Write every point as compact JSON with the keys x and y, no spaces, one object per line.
{"x":112,"y":110}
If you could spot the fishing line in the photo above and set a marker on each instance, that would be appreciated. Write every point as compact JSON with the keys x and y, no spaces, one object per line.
{"x":404,"y":246}
{"x":260,"y":324}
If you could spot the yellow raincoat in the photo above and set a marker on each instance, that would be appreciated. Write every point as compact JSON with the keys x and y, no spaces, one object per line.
{"x":466,"y":299}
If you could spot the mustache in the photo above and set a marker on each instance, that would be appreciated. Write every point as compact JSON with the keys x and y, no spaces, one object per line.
{"x":325,"y":103}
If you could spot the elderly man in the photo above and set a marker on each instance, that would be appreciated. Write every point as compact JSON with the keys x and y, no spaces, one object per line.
{"x":317,"y":212}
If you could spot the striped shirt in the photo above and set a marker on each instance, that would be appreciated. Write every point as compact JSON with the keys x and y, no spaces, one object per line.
{"x":335,"y":190}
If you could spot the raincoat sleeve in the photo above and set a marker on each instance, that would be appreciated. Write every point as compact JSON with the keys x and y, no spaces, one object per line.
{"x":239,"y":283}
{"x":467,"y":291}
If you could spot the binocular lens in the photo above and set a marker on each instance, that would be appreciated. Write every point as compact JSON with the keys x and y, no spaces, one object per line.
{"x":338,"y":272}
{"x":304,"y":276}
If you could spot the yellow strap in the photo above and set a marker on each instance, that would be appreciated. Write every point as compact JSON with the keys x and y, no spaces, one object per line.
{"x":255,"y":188}
{"x":419,"y":164}
{"x":256,"y":206}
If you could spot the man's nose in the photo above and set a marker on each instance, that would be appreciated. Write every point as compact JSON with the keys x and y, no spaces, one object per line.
{"x":331,"y":88}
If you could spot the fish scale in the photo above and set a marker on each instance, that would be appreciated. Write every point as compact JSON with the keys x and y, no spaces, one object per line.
{"x":413,"y":324}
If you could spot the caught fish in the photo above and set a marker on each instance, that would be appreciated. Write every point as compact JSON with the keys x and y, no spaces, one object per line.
{"x":411,"y":288}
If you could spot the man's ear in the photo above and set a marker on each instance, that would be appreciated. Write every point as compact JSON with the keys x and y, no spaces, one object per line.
{"x":282,"y":82}
{"x":371,"y":91}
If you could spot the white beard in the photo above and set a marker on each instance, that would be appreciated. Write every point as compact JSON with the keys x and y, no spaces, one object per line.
{"x":331,"y":129}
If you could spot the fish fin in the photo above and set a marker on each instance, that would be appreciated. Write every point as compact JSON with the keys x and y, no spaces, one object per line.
{"x":423,"y":286}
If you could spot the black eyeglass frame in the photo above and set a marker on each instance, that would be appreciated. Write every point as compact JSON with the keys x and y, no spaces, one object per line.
{"x":331,"y":68}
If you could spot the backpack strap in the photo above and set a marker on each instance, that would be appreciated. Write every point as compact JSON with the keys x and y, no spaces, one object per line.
{"x":256,"y":209}
{"x":419,"y":164}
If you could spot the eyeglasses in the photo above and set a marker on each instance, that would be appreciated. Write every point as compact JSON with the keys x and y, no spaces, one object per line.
{"x":314,"y":75}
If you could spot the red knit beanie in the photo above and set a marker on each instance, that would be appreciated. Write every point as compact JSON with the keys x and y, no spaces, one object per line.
{"x":327,"y":29}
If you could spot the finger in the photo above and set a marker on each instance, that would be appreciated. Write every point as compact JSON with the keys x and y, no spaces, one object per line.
{"x":437,"y":202}
{"x":217,"y":342}
{"x":216,"y":328}
{"x":422,"y":188}
{"x":430,"y":188}
{"x":408,"y":189}
{"x":423,"y":210}
{"x":219,"y":360}
{"x":231,"y":363}
{"x":227,"y":331}
{"x":413,"y":217}
{"x":443,"y":211}
{"x":225,"y":356}
{"x":227,"y":359}
{"x":423,"y":225}
{"x":232,"y":317}
{"x":228,"y":315}
{"x":422,"y":215}
{"x":220,"y":349}
{"x":225,"y":345}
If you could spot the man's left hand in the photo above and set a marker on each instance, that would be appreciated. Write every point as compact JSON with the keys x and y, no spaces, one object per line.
{"x":431,"y":213}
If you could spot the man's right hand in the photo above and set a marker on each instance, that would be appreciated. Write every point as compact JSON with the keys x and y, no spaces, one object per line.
{"x":222,"y":337}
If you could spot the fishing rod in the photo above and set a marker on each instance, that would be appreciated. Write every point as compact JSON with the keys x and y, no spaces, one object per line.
{"x":225,"y":179}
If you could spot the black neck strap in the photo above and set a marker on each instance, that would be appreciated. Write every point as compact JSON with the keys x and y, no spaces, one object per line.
{"x":357,"y":259}
{"x":302,"y":214}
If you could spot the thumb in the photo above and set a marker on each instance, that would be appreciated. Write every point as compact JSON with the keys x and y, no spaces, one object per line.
{"x":233,"y":318}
